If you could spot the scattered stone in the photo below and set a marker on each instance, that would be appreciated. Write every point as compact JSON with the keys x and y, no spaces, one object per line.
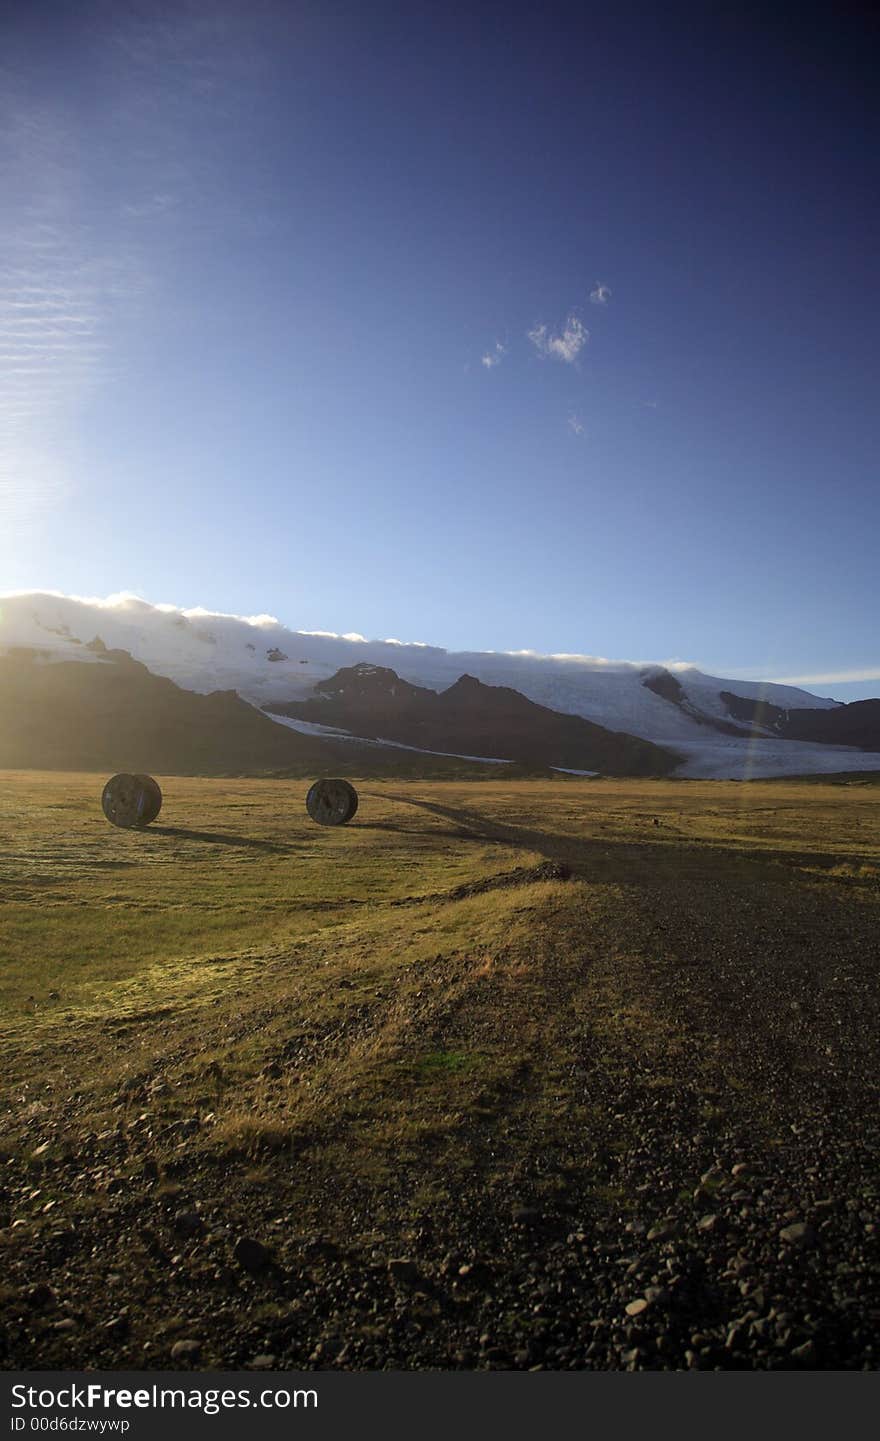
{"x":800,"y":1233}
{"x":806,"y":1353}
{"x":635,"y":1308}
{"x":317,"y":1249}
{"x":188,"y":1223}
{"x":251,"y":1255}
{"x":526,"y":1215}
{"x":663,"y":1231}
{"x":403,"y":1271}
{"x":41,"y":1295}
{"x":261,"y":1363}
{"x":186,"y":1350}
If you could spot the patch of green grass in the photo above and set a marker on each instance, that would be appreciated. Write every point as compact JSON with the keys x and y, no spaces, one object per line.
{"x":230,"y":869}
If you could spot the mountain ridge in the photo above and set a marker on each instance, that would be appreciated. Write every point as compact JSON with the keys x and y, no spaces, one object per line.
{"x":114,"y":714}
{"x":470,"y":717}
{"x":265,"y":662}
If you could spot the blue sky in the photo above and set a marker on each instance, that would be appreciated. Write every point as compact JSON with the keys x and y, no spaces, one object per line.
{"x":519,"y":329}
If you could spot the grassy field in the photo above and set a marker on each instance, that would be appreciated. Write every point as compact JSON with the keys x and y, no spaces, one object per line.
{"x":439,"y":1044}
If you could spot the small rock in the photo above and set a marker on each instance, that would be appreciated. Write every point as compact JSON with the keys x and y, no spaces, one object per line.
{"x":261,"y":1363}
{"x":41,"y":1294}
{"x":663,"y":1231}
{"x":525,"y":1215}
{"x":635,"y":1308}
{"x":403,"y":1271}
{"x":188,"y":1223}
{"x":187,"y":1350}
{"x":709,"y":1224}
{"x":806,"y":1353}
{"x":251,"y":1255}
{"x":317,"y":1249}
{"x":800,"y":1233}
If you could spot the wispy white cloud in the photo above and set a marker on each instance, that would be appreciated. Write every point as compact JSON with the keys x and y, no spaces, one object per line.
{"x":352,"y":635}
{"x":601,"y":294}
{"x":566,"y":346}
{"x":576,"y":424}
{"x":495,"y":356}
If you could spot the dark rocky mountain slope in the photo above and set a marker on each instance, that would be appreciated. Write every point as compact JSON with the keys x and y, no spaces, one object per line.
{"x":855,"y":724}
{"x":471,"y":718}
{"x":116,"y":715}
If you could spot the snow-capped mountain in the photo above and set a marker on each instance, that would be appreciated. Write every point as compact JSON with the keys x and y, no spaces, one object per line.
{"x":470,"y":718}
{"x":676,"y":706}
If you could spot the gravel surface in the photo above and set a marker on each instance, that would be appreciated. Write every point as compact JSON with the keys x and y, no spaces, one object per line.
{"x":677,"y":1169}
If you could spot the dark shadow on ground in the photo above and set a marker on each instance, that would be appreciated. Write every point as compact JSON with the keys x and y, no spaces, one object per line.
{"x":217,"y":838}
{"x":456,"y":835}
{"x":631,"y":862}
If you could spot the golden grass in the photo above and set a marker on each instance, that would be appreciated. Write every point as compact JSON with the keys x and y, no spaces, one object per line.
{"x":381,"y":984}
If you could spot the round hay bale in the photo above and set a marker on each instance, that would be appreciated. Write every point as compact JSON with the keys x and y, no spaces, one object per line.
{"x":131,"y":801}
{"x":153,"y":803}
{"x":331,"y":802}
